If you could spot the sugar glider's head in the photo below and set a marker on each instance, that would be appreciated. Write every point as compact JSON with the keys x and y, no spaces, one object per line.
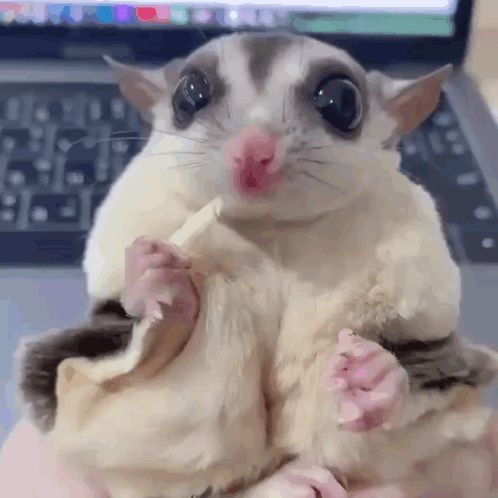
{"x":279,"y":124}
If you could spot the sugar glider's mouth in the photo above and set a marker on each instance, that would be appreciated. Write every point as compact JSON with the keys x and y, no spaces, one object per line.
{"x":251,"y":159}
{"x":255,"y":179}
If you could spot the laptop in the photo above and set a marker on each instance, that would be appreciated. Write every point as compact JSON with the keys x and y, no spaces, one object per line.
{"x":55,"y":90}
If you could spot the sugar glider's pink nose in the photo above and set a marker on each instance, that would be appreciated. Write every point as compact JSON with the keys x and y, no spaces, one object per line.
{"x":251,"y":158}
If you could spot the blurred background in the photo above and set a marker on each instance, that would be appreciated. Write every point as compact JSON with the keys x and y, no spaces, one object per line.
{"x":483,"y":51}
{"x":66,"y":134}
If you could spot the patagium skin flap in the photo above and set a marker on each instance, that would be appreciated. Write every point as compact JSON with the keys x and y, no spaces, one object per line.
{"x":107,"y":333}
{"x":320,"y":231}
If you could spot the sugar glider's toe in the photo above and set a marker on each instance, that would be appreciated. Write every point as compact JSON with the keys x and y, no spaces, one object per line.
{"x":302,"y":480}
{"x":369,"y":382}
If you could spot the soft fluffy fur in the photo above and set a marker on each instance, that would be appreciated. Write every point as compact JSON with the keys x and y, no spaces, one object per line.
{"x":361,"y":248}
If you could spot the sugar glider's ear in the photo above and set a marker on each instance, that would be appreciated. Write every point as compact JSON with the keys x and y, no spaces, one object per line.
{"x":144,"y":87}
{"x":410,"y":102}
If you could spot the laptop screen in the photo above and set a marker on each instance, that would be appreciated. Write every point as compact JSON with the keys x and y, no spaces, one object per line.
{"x":351,"y":17}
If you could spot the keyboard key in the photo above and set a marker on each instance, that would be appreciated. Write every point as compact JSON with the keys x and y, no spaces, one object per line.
{"x":9,"y":199}
{"x":470,"y":179}
{"x":22,"y":139}
{"x":443,"y":118}
{"x":7,"y":215}
{"x":451,"y":166}
{"x":126,"y":149}
{"x":477,"y":208}
{"x":78,"y":173}
{"x":39,"y":214}
{"x":54,"y":109}
{"x":21,"y":173}
{"x":122,"y":145}
{"x":12,"y":137}
{"x":14,"y":108}
{"x":458,"y":149}
{"x":74,"y":140}
{"x":455,"y":185}
{"x":124,"y":140}
{"x":481,"y":246}
{"x":453,"y":135}
{"x":94,"y":110}
{"x":109,"y":109}
{"x":54,"y":208}
{"x":103,"y":176}
{"x":410,"y":147}
{"x":41,"y":113}
{"x":436,"y":142}
{"x":9,"y":208}
{"x":43,"y":165}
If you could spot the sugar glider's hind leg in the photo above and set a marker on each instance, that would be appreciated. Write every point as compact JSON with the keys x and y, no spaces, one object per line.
{"x":108,"y":332}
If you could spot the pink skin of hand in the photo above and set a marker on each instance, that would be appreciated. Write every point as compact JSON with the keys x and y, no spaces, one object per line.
{"x":153,"y":268}
{"x":300,"y":479}
{"x":29,"y":468}
{"x":369,"y":381}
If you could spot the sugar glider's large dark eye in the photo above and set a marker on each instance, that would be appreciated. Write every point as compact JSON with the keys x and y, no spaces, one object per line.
{"x":338,"y":100}
{"x":192,"y":93}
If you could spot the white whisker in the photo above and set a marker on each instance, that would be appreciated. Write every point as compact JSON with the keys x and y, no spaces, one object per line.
{"x":321,"y":181}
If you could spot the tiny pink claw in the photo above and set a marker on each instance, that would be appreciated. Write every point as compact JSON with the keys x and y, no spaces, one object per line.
{"x":346,"y":334}
{"x":350,"y":412}
{"x":346,"y":346}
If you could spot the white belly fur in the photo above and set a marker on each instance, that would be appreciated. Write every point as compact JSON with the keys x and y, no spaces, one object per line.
{"x":372,"y":264}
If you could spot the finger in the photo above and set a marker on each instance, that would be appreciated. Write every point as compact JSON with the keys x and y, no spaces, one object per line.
{"x":355,"y":418}
{"x":178,"y":259}
{"x":331,"y":489}
{"x":385,"y":395}
{"x":350,"y":409}
{"x":350,"y":344}
{"x":168,"y":286}
{"x":154,"y":260}
{"x":318,"y":479}
{"x":156,"y":278}
{"x":363,"y":349}
{"x":142,"y":245}
{"x":334,"y":374}
{"x":180,"y":309}
{"x":373,"y":370}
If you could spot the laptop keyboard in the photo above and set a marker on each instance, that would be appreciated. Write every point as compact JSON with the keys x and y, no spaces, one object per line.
{"x":438,"y":156}
{"x":62,"y":147}
{"x":60,"y":150}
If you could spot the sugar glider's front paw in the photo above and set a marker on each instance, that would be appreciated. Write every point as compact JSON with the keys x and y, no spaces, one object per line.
{"x":157,"y":282}
{"x":301,"y":480}
{"x":369,"y":381}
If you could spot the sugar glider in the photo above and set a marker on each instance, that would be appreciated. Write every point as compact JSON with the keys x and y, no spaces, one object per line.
{"x":319,"y":232}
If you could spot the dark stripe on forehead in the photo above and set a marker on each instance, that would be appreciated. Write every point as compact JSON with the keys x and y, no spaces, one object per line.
{"x":262,"y":50}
